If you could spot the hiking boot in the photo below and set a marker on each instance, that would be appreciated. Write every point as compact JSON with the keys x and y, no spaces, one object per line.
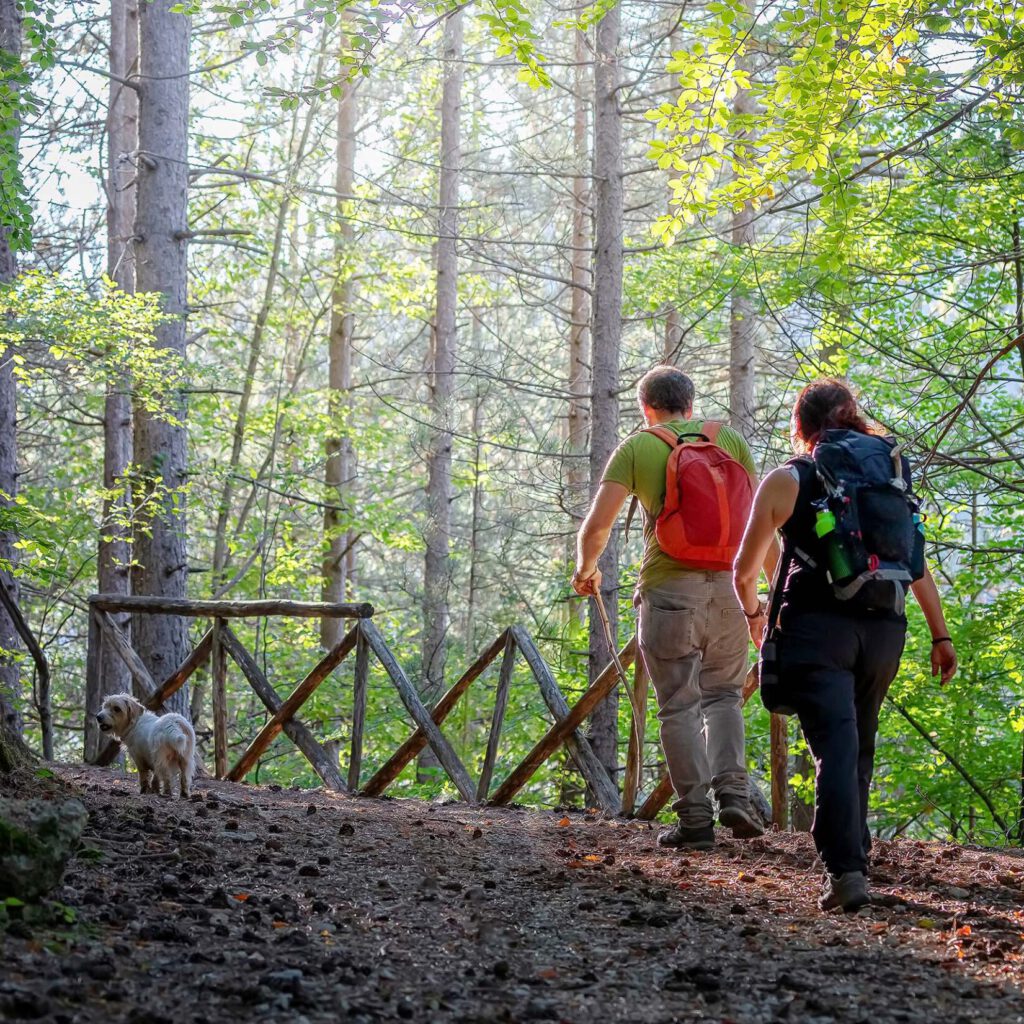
{"x":848,"y":890}
{"x":736,"y":813}
{"x":688,"y":837}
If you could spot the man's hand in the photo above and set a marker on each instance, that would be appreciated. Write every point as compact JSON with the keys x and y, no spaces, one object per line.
{"x":586,"y":583}
{"x":944,"y":660}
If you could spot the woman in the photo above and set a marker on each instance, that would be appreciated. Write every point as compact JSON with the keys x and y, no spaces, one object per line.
{"x":835,"y":659}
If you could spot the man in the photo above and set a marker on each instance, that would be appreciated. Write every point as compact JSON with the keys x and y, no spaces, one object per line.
{"x":692,"y":631}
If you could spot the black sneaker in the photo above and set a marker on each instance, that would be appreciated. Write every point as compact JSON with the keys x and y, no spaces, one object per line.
{"x":736,"y":813}
{"x":683,"y":837}
{"x":848,"y":890}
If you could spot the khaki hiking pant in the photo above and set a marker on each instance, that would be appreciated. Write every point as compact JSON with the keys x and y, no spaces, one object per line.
{"x":694,"y":643}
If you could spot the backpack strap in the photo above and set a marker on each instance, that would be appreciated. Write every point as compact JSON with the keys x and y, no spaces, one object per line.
{"x":710,"y":429}
{"x":629,"y":518}
{"x":775,"y":603}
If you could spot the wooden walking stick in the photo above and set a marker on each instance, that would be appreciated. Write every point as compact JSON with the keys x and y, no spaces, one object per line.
{"x":635,"y":713}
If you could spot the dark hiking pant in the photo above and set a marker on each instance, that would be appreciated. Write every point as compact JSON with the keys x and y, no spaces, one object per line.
{"x":836,"y":670}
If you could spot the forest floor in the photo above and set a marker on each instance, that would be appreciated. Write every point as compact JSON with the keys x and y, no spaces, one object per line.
{"x":262,"y":904}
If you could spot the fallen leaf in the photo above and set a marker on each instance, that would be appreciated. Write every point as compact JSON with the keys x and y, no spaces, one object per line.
{"x":592,"y":857}
{"x":548,"y":972}
{"x":925,"y":922}
{"x":563,"y":822}
{"x":241,"y":896}
{"x":280,"y":924}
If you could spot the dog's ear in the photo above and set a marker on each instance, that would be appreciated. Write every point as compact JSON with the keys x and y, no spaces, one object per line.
{"x":133,"y":709}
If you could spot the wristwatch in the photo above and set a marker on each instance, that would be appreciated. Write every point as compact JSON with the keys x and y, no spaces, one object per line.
{"x":757,"y":614}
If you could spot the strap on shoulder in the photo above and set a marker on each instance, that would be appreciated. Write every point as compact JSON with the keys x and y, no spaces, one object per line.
{"x":710,"y":429}
{"x":629,"y":517}
{"x":663,"y":434}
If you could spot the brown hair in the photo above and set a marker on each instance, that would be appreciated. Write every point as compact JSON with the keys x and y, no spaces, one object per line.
{"x":826,"y":404}
{"x":666,"y":389}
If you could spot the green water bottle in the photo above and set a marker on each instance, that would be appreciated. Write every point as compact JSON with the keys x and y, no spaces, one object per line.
{"x":839,"y":566}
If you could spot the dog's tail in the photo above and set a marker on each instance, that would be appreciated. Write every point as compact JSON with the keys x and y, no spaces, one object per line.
{"x":182,"y":742}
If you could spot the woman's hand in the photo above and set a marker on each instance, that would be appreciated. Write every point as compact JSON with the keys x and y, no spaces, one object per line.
{"x":944,"y":660}
{"x":756,"y":627}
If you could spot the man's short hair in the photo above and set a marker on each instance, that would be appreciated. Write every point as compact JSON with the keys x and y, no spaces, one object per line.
{"x":666,"y":389}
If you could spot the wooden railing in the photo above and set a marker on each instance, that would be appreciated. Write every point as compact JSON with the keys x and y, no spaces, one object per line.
{"x":220,"y":642}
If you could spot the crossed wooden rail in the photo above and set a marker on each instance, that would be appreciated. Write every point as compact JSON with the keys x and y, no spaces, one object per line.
{"x":220,"y":642}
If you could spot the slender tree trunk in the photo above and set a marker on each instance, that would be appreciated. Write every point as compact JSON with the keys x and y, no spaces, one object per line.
{"x":161,"y":231}
{"x":579,"y":316}
{"x":1018,"y":280}
{"x":607,"y":332}
{"x":437,"y":534}
{"x":479,"y":423}
{"x":1020,"y":803}
{"x":10,"y":674}
{"x":673,"y":337}
{"x":339,"y":468}
{"x":742,"y":315}
{"x":113,"y":573}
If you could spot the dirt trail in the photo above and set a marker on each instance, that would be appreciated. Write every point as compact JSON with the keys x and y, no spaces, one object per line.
{"x":255,"y":904}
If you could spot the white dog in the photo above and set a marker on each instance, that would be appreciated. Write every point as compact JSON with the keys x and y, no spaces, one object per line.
{"x":161,"y":745}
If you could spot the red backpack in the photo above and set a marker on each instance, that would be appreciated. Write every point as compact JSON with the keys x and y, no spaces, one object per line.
{"x":708,"y":495}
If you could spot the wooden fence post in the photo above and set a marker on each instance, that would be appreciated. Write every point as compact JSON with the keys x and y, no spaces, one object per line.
{"x":92,"y":673}
{"x":780,"y":771}
{"x":360,"y":680}
{"x":635,"y":750}
{"x":218,"y":689}
{"x":508,"y":663}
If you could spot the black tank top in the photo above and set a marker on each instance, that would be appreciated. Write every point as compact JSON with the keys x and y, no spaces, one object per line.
{"x":805,"y":589}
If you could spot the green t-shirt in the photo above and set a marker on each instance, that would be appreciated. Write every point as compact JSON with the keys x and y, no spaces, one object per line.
{"x":639,"y":463}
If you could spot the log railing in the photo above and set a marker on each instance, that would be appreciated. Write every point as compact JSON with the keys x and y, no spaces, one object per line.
{"x":220,"y":643}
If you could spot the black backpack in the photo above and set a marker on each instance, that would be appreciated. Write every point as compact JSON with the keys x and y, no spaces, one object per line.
{"x":870,"y":533}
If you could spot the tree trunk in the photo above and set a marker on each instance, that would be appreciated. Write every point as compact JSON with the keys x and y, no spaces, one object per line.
{"x":437,"y":533}
{"x":476,"y":514}
{"x":742,"y":318}
{"x":578,"y":420}
{"x":673,"y":337}
{"x":579,"y":315}
{"x":607,"y":331}
{"x":339,"y":468}
{"x":10,"y":674}
{"x":113,"y":575}
{"x":1018,"y":304}
{"x":161,"y":228}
